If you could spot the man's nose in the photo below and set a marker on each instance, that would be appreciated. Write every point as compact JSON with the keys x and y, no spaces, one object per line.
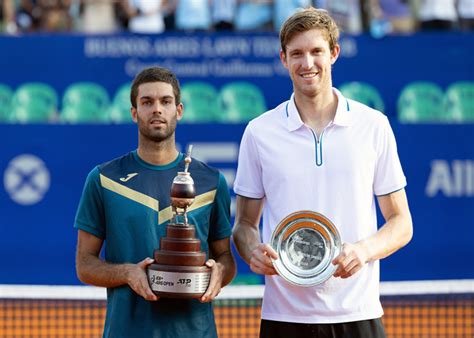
{"x":307,"y":61}
{"x":157,"y":108}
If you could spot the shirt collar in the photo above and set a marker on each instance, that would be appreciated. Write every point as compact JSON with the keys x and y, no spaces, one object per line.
{"x":343,"y":110}
{"x":157,"y":167}
{"x":342,"y":117}
{"x":293,"y":117}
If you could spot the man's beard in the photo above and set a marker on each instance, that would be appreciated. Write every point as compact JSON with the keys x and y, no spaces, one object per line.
{"x":157,"y":135}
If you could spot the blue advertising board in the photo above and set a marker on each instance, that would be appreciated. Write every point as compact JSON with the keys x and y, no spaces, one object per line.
{"x":387,"y":64}
{"x":43,"y":167}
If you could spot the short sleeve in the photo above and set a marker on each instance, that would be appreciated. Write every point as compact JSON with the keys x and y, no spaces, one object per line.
{"x":90,"y":213}
{"x":248,"y":180}
{"x":389,"y":175}
{"x":220,"y":226}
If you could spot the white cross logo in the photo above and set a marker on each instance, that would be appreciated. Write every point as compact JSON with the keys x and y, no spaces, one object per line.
{"x":26,"y":179}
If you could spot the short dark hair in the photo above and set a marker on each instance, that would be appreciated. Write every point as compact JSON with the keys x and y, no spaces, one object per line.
{"x":307,"y":19}
{"x":155,"y":74}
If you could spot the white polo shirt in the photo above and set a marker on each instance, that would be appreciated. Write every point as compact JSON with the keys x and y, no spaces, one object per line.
{"x":337,"y":174}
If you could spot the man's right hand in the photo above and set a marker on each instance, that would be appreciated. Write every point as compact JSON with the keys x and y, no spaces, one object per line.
{"x":261,"y":260}
{"x":138,"y":281}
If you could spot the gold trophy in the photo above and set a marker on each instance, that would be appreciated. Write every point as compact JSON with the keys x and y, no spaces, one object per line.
{"x":179,"y":270}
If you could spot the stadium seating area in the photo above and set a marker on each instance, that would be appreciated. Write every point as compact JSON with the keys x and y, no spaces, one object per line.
{"x":200,"y":102}
{"x":234,"y":102}
{"x":363,"y":92}
{"x":459,"y":101}
{"x":34,"y":102}
{"x":421,"y":102}
{"x":87,"y":102}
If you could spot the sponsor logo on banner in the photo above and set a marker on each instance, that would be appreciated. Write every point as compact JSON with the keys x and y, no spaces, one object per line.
{"x":451,"y":178}
{"x":26,"y":179}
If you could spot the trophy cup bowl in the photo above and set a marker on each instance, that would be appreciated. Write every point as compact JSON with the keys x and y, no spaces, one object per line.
{"x":179,"y":270}
{"x":306,"y":243}
{"x":182,"y":191}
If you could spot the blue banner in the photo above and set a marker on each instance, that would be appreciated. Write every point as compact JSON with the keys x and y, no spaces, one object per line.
{"x":387,"y":64}
{"x":44,"y":167}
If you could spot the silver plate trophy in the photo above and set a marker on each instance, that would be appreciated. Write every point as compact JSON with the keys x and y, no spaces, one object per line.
{"x":306,"y":243}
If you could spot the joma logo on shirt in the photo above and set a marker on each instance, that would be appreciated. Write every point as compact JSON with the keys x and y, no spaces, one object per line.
{"x":128,"y":177}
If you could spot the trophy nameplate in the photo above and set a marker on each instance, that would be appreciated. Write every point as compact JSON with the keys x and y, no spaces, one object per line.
{"x":179,"y":270}
{"x":306,"y":243}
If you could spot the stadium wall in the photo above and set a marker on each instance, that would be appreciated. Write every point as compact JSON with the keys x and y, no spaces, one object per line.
{"x":43,"y":166}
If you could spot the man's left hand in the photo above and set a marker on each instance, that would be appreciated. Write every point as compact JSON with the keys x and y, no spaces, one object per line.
{"x":350,"y":260}
{"x":215,"y":284}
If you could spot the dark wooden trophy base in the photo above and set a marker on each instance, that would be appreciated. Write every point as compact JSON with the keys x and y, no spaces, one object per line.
{"x":179,"y":270}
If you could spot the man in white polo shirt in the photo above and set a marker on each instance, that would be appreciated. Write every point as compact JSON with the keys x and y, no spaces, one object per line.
{"x":320,"y":151}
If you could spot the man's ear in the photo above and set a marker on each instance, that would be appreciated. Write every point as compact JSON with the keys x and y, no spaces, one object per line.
{"x":335,"y":53}
{"x":283,"y":59}
{"x":179,"y":111}
{"x":133,"y":112}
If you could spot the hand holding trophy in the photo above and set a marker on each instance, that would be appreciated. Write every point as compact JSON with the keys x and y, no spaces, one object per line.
{"x":179,"y":270}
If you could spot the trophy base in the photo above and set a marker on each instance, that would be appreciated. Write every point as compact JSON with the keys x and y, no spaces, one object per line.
{"x":178,"y":281}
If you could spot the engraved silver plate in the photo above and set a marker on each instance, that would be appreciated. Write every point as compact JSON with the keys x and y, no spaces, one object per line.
{"x":179,"y":282}
{"x":306,"y":243}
